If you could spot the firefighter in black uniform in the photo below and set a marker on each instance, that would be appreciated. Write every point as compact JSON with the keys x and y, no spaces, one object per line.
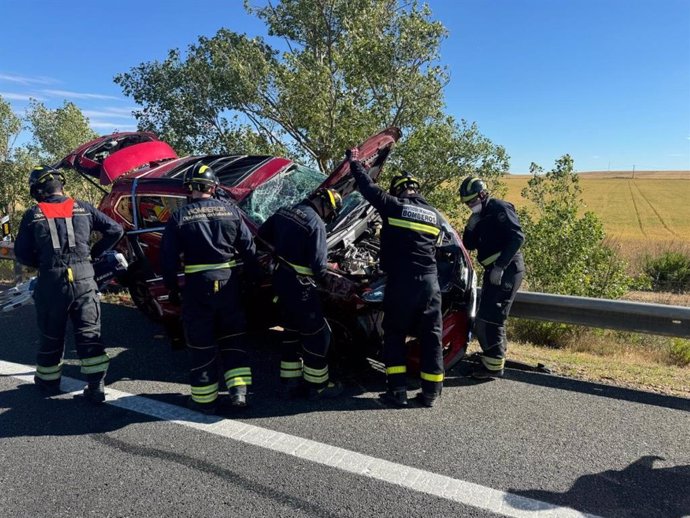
{"x":412,"y":302}
{"x":495,"y":232}
{"x":213,"y":240}
{"x":54,"y":238}
{"x":298,"y":235}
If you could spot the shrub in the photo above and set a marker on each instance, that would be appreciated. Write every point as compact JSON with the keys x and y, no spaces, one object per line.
{"x":669,"y":271}
{"x":565,"y":248}
{"x":680,"y":351}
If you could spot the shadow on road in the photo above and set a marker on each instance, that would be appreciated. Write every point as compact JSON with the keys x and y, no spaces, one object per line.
{"x":640,"y":490}
{"x":459,"y":376}
{"x":28,"y":414}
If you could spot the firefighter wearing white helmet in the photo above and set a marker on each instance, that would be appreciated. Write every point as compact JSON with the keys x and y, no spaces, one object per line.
{"x":495,"y":232}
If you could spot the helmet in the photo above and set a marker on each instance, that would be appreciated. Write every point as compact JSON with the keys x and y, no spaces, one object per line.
{"x":331,"y":199}
{"x":200,"y":178}
{"x":470,"y":188}
{"x":42,"y":177}
{"x":401,"y":182}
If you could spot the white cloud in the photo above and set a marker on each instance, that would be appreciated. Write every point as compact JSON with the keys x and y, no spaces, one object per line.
{"x":20,"y":97}
{"x":77,"y":95}
{"x":26,"y":80}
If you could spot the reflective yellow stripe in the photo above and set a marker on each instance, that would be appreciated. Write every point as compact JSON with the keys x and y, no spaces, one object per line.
{"x":216,"y":286}
{"x":493,"y":364}
{"x":290,"y":369}
{"x":49,"y":373}
{"x":490,"y":259}
{"x":411,"y":225}
{"x":196,"y":268}
{"x":70,"y":275}
{"x":205,"y":399}
{"x":431,"y":377}
{"x":396,"y":369}
{"x":302,"y":270}
{"x":240,"y":371}
{"x":316,"y":375}
{"x":95,"y":364}
{"x":239,"y":381}
{"x":205,"y":390}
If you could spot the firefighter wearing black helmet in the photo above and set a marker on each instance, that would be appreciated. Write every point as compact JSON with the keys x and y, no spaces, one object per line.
{"x":495,"y":232}
{"x":412,"y":303}
{"x":54,"y":238}
{"x":213,"y":241}
{"x":298,"y":235}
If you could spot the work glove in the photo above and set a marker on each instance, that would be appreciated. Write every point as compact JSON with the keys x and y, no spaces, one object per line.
{"x":352,"y":155}
{"x":472,"y":222}
{"x":175,"y":298}
{"x":495,"y":275}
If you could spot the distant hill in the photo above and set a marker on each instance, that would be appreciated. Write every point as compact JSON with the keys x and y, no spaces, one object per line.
{"x":685,"y":175}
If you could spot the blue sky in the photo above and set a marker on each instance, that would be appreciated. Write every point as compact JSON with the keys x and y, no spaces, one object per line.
{"x":607,"y":81}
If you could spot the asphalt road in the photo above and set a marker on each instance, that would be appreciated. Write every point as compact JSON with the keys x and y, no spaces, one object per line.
{"x":530,"y":444}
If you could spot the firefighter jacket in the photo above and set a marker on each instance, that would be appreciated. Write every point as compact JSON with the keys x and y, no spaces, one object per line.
{"x":411,"y":228}
{"x":497,"y":236}
{"x":213,"y":238}
{"x":298,"y":235}
{"x":55,"y":234}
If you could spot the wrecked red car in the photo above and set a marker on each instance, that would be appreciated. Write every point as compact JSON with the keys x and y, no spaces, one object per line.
{"x":144,"y":176}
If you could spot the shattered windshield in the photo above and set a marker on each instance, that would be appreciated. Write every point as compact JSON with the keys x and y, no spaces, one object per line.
{"x":284,"y":189}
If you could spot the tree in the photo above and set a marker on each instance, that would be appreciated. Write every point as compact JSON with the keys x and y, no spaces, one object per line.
{"x":55,"y":134}
{"x":565,"y":248}
{"x":14,"y":164}
{"x":348,"y":68}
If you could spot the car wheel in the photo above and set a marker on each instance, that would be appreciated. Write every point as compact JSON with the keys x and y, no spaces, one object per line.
{"x":142,"y":297}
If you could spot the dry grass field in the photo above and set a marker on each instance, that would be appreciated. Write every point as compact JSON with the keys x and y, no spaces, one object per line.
{"x":647,"y":213}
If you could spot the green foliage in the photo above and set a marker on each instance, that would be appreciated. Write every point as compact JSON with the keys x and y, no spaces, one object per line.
{"x":565,"y":251}
{"x":680,"y":352}
{"x":339,"y":81}
{"x":669,"y":271}
{"x":55,"y":134}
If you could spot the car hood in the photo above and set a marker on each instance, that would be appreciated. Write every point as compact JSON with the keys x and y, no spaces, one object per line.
{"x":373,"y":153}
{"x":111,"y":156}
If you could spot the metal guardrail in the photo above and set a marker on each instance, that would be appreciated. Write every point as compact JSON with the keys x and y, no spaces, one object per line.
{"x":641,"y":317}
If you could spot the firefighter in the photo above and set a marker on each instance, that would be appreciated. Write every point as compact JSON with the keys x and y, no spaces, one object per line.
{"x":298,"y":235}
{"x":495,"y":232}
{"x":412,"y":302}
{"x":54,"y":238}
{"x":213,"y":240}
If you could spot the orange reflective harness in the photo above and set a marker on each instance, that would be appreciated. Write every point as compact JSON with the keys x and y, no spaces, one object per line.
{"x":63,"y":210}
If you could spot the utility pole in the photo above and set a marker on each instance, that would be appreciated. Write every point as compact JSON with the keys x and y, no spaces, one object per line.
{"x":633,"y":175}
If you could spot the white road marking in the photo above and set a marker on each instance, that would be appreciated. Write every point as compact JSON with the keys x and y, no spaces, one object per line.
{"x":441,"y":486}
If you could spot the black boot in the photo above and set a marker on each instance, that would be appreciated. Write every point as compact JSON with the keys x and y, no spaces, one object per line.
{"x":396,"y":398}
{"x":427,"y":399}
{"x":482,"y":373}
{"x":238,"y":397}
{"x":94,"y":392}
{"x":47,"y":388}
{"x":328,"y":390}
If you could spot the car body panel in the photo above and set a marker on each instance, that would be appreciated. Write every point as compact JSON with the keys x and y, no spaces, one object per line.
{"x":147,"y":187}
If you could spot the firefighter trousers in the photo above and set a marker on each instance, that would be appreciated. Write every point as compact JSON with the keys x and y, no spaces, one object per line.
{"x":494,"y":308}
{"x":306,"y":333}
{"x":59,"y":299}
{"x":215,"y":328}
{"x":412,"y":306}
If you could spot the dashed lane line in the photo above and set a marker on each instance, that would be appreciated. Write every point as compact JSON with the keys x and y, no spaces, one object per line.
{"x":448,"y":488}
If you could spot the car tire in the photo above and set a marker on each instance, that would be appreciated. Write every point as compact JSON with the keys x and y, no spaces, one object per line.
{"x":142,"y":297}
